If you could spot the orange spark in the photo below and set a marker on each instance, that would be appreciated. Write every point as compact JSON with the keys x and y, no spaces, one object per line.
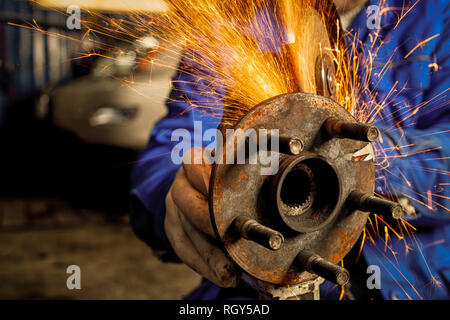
{"x":421,"y":44}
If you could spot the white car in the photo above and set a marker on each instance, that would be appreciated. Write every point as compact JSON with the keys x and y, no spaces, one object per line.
{"x":120,"y":101}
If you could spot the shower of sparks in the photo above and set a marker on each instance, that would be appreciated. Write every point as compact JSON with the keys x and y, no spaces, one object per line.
{"x":234,"y":49}
{"x":230,"y":49}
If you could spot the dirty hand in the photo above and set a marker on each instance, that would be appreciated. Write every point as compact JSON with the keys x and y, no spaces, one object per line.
{"x":188,"y":226}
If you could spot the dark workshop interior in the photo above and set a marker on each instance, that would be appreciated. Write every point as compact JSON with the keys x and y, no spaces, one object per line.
{"x":68,"y":136}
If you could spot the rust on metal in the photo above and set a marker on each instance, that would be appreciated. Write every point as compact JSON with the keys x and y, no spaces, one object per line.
{"x":312,"y":214}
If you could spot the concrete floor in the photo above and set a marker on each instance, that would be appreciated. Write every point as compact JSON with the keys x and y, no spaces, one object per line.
{"x":39,"y":239}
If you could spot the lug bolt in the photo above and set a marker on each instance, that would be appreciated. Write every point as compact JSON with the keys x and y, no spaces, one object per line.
{"x":366,"y":202}
{"x":352,"y":130}
{"x":313,"y":263}
{"x":252,"y":230}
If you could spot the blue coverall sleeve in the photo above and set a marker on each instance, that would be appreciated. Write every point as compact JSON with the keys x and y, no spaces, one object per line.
{"x":415,"y":125}
{"x":154,"y":171}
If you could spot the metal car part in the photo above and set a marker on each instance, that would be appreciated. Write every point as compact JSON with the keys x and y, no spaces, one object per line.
{"x":292,"y":226}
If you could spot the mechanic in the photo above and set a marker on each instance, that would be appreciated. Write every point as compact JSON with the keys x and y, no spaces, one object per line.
{"x":169,"y":209}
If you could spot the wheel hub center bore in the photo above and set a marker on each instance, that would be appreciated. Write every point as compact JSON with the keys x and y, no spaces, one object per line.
{"x":307,"y":190}
{"x":298,"y":190}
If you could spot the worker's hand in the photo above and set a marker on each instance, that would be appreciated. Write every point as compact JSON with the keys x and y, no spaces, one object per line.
{"x":188,"y":225}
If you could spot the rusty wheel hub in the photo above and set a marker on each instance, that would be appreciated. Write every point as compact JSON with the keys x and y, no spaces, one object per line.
{"x":302,"y":219}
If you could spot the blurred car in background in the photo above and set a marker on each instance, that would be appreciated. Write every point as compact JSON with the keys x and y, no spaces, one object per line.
{"x":120,"y":100}
{"x":76,"y":107}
